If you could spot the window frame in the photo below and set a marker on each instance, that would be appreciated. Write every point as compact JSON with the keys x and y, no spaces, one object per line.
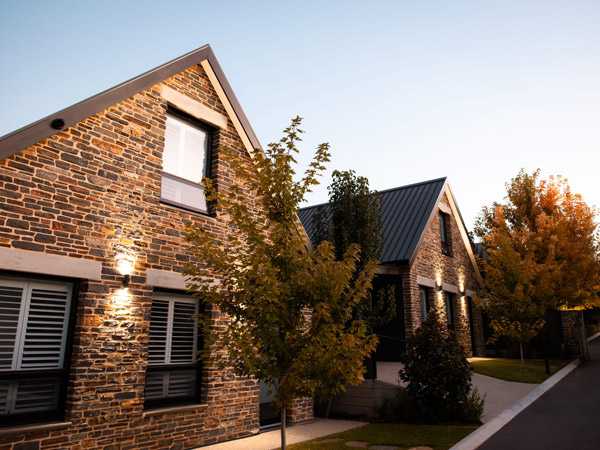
{"x":57,"y":413}
{"x":444,"y":234}
{"x":207,"y":169}
{"x":150,"y":404}
{"x":426,"y":306}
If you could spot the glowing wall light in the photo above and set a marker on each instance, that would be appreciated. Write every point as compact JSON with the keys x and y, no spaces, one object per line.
{"x":124,"y":264}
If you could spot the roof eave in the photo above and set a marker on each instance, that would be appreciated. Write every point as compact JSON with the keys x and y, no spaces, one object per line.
{"x":43,"y":129}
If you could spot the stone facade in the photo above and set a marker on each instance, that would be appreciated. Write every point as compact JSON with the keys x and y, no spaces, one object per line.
{"x":438,"y":272}
{"x":574,"y":338}
{"x":87,"y":193}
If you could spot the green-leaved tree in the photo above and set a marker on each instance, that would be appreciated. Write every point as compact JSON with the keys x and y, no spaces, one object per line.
{"x":288,"y":311}
{"x":353,"y":216}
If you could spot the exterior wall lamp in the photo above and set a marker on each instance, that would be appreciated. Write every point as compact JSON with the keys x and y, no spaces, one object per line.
{"x":124,"y":265}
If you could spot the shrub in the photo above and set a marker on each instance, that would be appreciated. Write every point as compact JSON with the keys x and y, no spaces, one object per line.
{"x":470,"y":409}
{"x":438,"y":375}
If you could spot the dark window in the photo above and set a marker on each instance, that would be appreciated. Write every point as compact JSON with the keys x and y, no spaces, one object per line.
{"x":34,"y":331}
{"x":186,"y":161}
{"x":444,"y":234}
{"x":173,"y":371}
{"x":449,"y":301}
{"x":424,"y":294}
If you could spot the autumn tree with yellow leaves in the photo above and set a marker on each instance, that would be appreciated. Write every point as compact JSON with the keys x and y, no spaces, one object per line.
{"x":542,"y":252}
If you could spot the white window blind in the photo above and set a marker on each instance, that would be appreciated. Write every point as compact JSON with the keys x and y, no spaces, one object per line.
{"x":184,"y":163}
{"x":173,"y":342}
{"x":33,"y":332}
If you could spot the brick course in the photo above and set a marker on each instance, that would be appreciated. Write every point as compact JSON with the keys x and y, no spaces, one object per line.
{"x":90,"y":192}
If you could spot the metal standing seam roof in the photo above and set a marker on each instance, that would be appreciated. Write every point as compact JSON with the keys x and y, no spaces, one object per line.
{"x":405,"y":214}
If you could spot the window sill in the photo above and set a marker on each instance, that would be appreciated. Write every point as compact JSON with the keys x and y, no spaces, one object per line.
{"x":195,"y":212}
{"x":174,"y":409}
{"x":34,"y":428}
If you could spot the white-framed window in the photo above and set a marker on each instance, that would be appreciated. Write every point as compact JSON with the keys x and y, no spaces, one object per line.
{"x":186,"y":161}
{"x":34,"y":326}
{"x":173,"y":371}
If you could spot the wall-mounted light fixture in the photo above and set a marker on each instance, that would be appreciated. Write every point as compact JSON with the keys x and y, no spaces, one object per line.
{"x":124,"y":264}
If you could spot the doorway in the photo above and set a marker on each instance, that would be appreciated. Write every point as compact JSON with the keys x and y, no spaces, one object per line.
{"x":269,"y":415}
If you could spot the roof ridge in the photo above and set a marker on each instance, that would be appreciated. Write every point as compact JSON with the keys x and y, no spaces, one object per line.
{"x":384,"y":191}
{"x":413,"y":184}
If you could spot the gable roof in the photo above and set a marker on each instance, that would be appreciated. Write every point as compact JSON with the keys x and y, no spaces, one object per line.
{"x":42,"y":129}
{"x":406,"y":212}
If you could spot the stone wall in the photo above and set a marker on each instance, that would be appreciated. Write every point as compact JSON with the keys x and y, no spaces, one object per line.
{"x":454,"y":271}
{"x":88,"y":192}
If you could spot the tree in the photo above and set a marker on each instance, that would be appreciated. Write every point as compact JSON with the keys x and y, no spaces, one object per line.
{"x":542,"y":252}
{"x":353,"y":216}
{"x":287,"y":310}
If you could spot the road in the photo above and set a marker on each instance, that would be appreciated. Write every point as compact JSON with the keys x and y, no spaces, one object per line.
{"x":567,"y":417}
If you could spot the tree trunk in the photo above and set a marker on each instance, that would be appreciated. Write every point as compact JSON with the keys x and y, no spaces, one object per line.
{"x":522,"y":360}
{"x":283,"y":444}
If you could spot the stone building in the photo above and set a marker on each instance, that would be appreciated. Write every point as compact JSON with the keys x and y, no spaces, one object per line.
{"x":427,"y":255}
{"x":97,"y":341}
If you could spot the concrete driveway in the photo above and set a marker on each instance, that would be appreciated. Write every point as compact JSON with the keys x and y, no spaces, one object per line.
{"x":499,"y":394}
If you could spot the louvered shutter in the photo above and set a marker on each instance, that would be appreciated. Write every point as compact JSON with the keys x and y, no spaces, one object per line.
{"x":173,"y":338}
{"x":33,"y":331}
{"x":46,"y":330}
{"x":183,"y":342}
{"x":11,"y":304}
{"x":159,"y":322}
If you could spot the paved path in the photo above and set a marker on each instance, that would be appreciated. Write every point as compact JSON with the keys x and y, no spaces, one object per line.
{"x":272,"y":439}
{"x":564,"y":418}
{"x":499,"y":394}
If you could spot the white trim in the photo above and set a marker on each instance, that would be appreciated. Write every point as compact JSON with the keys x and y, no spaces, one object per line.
{"x":427,"y":282}
{"x":170,"y":280}
{"x":463,"y":231}
{"x":166,"y":279}
{"x":173,"y":409}
{"x":443,"y":208}
{"x":470,"y":293}
{"x":34,"y":428}
{"x":193,"y":107}
{"x":42,"y":263}
{"x":230,"y":111}
{"x":450,"y":288}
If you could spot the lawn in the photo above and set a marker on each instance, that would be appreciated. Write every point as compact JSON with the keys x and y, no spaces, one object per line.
{"x":511,"y":370}
{"x":392,"y":434}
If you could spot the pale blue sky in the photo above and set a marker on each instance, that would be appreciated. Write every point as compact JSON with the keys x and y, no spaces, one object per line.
{"x":404,"y":91}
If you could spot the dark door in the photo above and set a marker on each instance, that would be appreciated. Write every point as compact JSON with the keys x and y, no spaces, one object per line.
{"x":269,"y":412}
{"x":471,"y":329}
{"x":392,"y":339}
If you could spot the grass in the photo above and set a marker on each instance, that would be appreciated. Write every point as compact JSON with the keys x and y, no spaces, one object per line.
{"x":511,"y":370}
{"x":393,"y":434}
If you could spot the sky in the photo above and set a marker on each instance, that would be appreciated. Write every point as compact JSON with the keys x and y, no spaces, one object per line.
{"x":403,"y":91}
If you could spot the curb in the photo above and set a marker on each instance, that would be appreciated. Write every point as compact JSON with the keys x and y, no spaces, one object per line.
{"x":591,"y":338}
{"x":484,"y":432}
